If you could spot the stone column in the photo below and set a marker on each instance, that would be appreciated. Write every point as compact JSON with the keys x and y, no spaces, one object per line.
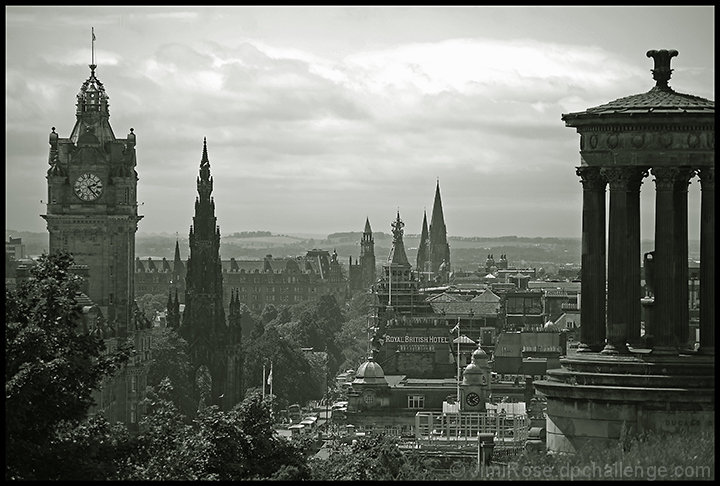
{"x":592,"y":296}
{"x":623,"y":291}
{"x":667,"y":223}
{"x":707,"y":260}
{"x":680,"y":196}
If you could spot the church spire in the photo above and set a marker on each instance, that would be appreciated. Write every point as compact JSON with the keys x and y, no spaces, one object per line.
{"x":423,"y":246}
{"x":439,"y":250}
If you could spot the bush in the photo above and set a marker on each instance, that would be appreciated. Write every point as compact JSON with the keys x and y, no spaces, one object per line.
{"x":647,"y":456}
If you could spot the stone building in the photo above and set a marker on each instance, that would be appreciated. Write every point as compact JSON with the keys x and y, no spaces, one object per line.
{"x":92,"y":213}
{"x":272,"y":280}
{"x":622,"y":378}
{"x":214,"y":343}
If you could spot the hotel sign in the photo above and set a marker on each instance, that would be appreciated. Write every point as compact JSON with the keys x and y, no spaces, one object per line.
{"x":416,"y":344}
{"x":416,"y":339}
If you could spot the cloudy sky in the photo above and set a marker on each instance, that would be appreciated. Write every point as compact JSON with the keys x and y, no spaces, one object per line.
{"x":318,"y":117}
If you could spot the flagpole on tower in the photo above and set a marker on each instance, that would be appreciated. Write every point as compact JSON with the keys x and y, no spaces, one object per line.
{"x":92,"y":48}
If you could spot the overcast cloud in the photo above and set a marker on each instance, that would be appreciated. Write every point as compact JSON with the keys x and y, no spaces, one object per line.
{"x":317,"y":118}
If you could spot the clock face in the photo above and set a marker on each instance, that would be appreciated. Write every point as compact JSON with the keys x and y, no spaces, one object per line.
{"x":88,"y":187}
{"x":472,"y":399}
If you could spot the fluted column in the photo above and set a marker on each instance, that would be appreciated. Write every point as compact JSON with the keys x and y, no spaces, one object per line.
{"x":592,"y":277}
{"x":623,"y":290}
{"x":707,"y":260}
{"x":667,"y":254}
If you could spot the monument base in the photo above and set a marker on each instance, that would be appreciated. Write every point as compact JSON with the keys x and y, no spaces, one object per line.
{"x":594,"y":399}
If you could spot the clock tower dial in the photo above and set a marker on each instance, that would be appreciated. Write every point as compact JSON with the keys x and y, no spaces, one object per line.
{"x":88,"y":187}
{"x":472,"y":399}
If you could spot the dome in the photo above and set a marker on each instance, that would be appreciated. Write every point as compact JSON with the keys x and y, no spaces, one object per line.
{"x":479,"y":353}
{"x":370,"y":373}
{"x":370,"y":369}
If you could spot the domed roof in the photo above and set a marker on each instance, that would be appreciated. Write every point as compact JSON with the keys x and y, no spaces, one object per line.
{"x":370,"y":369}
{"x":660,"y":100}
{"x":370,"y":373}
{"x":479,"y":353}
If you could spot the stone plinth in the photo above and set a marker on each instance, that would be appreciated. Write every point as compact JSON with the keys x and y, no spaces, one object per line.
{"x":593,"y":397}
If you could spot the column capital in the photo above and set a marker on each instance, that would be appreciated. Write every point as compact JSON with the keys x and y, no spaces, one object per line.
{"x":591,"y":178}
{"x":667,"y":178}
{"x":624,"y":177}
{"x":707,"y":177}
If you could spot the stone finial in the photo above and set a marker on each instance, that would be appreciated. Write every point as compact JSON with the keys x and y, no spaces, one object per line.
{"x":662,"y":71}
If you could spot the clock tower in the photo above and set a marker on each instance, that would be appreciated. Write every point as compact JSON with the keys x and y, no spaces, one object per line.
{"x":92,"y":203}
{"x":475,"y":386}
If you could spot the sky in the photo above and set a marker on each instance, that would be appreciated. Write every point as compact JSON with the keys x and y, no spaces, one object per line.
{"x":317,"y":118}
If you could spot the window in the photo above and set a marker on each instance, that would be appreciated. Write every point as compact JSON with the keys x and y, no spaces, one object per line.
{"x":416,"y":401}
{"x":133,"y":384}
{"x":133,"y":413}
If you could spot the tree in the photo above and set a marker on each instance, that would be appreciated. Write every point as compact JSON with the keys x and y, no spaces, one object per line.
{"x":93,"y":450}
{"x":294,"y":378}
{"x":316,"y":324}
{"x":170,"y":359}
{"x":149,"y":304}
{"x":236,"y":445}
{"x":370,"y":458}
{"x":51,"y":366}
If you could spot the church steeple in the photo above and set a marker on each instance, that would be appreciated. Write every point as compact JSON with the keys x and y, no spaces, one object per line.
{"x":439,"y":250}
{"x":178,"y":270}
{"x":423,"y":246}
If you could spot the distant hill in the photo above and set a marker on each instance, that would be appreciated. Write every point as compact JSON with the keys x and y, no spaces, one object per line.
{"x":467,"y":253}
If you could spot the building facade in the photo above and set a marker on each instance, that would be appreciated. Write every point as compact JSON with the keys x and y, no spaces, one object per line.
{"x":278,"y":281}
